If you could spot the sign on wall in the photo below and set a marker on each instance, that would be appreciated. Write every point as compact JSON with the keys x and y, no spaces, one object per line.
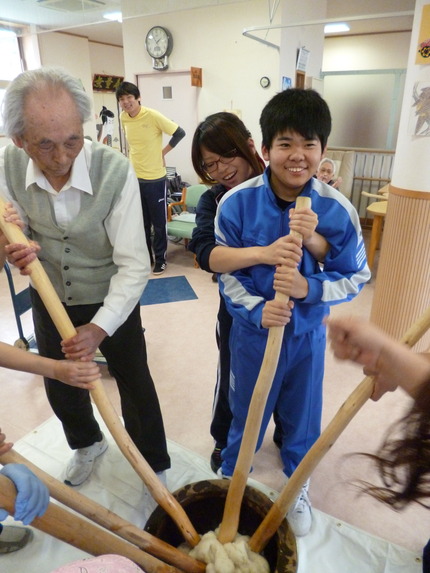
{"x":196,"y":77}
{"x":106,"y":83}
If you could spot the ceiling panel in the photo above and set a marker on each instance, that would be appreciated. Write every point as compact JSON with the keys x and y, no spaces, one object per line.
{"x":85,"y":17}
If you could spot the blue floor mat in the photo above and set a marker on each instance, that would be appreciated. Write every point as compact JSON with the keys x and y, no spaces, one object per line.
{"x":169,"y":289}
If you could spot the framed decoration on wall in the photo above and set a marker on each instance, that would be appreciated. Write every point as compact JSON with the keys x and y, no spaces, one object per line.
{"x":423,"y":48}
{"x":302,"y":59}
{"x":106,"y":83}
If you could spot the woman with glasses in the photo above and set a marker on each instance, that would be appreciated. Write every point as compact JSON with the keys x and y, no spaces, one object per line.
{"x":224,"y":156}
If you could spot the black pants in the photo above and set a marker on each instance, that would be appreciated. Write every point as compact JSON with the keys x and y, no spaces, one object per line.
{"x":221,"y":413}
{"x":125,"y":353}
{"x":426,"y":558}
{"x":154,"y":207}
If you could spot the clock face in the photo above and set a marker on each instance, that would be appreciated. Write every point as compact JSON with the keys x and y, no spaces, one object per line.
{"x":264,"y":82}
{"x":158,"y":42}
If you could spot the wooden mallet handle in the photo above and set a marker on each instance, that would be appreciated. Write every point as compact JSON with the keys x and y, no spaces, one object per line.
{"x":66,"y":329}
{"x":344,"y":415}
{"x":230,"y":520}
{"x":107,"y":519}
{"x":82,"y":534}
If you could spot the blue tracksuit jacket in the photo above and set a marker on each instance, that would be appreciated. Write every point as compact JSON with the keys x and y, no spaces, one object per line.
{"x":249,"y":215}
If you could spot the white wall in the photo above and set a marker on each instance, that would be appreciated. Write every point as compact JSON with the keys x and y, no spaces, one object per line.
{"x":365,"y":90}
{"x":83,"y":59}
{"x":107,"y":60}
{"x":73,"y":54}
{"x":367,"y":52}
{"x":212,"y":39}
{"x":309,"y":37}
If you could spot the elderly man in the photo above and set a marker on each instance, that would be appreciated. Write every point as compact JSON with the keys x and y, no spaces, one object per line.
{"x":326,"y":173}
{"x":80,"y":203}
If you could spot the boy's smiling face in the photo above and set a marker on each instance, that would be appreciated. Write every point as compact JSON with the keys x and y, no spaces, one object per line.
{"x":293,"y":161}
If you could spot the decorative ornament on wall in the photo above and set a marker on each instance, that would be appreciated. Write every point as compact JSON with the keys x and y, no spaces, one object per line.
{"x":423,"y":48}
{"x":264,"y":82}
{"x":159,"y":44}
{"x":106,"y":83}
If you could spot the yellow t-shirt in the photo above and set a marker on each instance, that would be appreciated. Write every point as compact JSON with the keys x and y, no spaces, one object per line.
{"x":144,"y":134}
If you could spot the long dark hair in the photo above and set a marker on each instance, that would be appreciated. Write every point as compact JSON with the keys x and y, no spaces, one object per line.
{"x":403,"y":461}
{"x":220,"y":133}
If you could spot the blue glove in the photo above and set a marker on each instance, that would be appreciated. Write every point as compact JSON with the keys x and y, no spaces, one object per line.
{"x":33,"y":496}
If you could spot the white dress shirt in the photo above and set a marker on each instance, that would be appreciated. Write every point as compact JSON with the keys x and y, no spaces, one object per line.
{"x":124,"y":228}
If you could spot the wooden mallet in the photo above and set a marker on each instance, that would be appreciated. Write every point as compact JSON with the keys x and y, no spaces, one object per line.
{"x":82,"y":534}
{"x":107,"y":519}
{"x":342,"y":418}
{"x":66,"y":329}
{"x":230,"y":520}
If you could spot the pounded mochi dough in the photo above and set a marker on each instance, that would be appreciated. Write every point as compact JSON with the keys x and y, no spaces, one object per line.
{"x":234,"y":557}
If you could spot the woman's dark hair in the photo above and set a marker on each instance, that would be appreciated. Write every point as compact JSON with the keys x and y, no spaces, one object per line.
{"x":127,"y":88}
{"x":221,"y":133}
{"x":303,"y":111}
{"x":403,"y":461}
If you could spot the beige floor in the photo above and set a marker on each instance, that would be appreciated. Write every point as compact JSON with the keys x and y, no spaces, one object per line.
{"x":183,"y":358}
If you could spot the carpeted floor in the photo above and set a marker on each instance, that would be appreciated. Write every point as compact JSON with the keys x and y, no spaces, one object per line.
{"x":167,"y":289}
{"x":182,"y":357}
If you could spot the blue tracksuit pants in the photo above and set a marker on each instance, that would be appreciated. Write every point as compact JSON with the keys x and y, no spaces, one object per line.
{"x":296,"y":391}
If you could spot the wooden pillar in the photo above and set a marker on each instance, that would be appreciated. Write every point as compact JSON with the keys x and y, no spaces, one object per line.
{"x":402,"y":289}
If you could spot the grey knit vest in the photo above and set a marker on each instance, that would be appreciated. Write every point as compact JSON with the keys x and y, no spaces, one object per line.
{"x":78,"y":259}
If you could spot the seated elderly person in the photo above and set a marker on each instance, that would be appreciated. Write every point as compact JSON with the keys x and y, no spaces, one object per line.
{"x":326,"y":172}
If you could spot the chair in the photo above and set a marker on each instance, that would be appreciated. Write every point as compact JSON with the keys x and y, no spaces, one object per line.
{"x":181,"y":216}
{"x":21,"y":304}
{"x":378,"y":209}
{"x":345,"y":161}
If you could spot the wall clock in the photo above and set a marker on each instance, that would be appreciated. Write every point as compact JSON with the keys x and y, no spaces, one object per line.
{"x":264,"y":82}
{"x":159,"y":44}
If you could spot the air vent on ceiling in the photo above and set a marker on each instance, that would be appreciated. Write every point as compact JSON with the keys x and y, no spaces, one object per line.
{"x":71,"y":5}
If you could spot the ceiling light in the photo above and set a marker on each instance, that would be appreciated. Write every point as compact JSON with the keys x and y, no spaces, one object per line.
{"x":114,"y":16}
{"x":336,"y":27}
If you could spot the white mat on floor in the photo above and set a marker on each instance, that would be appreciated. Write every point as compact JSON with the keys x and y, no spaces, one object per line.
{"x":332,"y":546}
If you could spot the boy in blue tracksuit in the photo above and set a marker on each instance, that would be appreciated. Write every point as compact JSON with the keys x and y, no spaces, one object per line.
{"x":295,"y":127}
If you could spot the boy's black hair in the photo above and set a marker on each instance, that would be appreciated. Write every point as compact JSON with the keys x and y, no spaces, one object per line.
{"x":300,"y":110}
{"x":127,"y":88}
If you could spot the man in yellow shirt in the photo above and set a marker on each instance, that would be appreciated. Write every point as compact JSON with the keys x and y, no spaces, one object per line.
{"x":144,"y":128}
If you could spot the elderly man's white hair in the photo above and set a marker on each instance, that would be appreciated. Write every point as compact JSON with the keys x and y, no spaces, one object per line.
{"x":327,"y":160}
{"x":33,"y":80}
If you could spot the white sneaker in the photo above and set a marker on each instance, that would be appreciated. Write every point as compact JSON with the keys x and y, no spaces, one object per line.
{"x":299,"y":515}
{"x":221,"y":475}
{"x":81,"y":464}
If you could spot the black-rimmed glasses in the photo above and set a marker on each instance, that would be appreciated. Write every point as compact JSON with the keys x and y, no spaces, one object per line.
{"x":212,"y":166}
